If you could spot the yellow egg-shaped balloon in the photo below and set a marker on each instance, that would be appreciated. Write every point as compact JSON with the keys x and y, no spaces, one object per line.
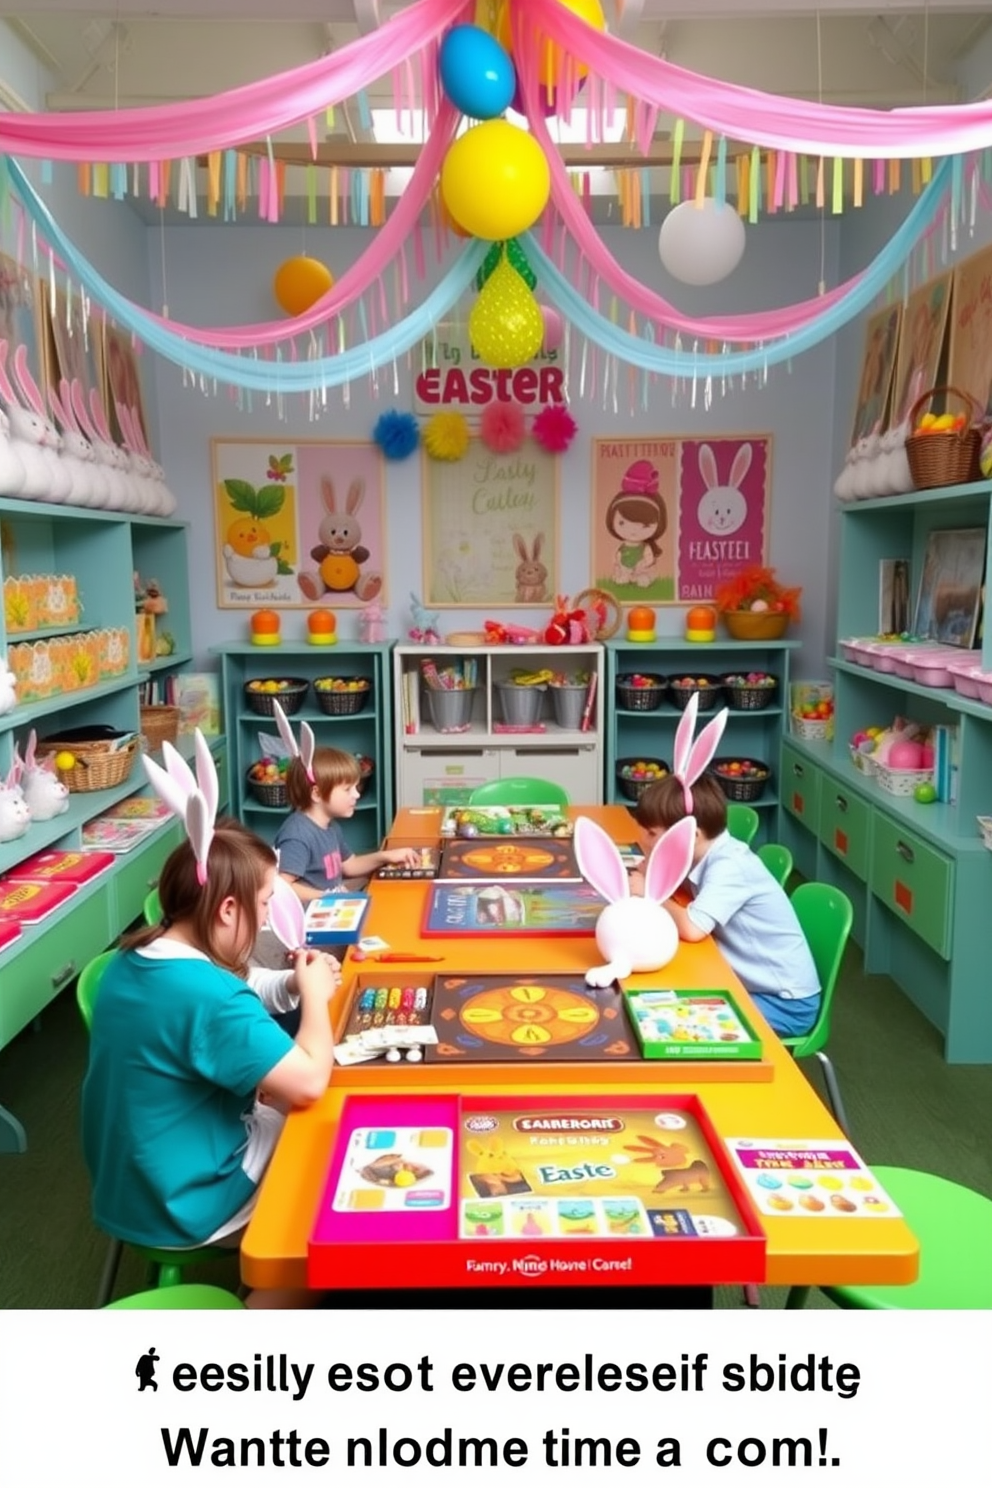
{"x":299,"y":283}
{"x":589,"y":11}
{"x":495,"y":180}
{"x":505,"y":322}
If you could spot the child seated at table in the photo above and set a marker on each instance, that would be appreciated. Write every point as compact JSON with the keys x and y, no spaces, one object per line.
{"x":313,"y":854}
{"x":733,"y":897}
{"x":189,"y":1075}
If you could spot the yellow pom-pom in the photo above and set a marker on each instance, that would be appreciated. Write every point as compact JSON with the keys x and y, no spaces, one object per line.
{"x":446,"y":436}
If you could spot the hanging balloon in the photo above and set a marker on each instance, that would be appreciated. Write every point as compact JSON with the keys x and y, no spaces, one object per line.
{"x":505,"y":322}
{"x":550,"y":62}
{"x":495,"y":180}
{"x":701,"y":244}
{"x":554,"y":328}
{"x":476,"y":72}
{"x":300,"y":283}
{"x":515,"y":256}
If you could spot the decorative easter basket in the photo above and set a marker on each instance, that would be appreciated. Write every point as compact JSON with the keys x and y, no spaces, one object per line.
{"x":643,"y":699}
{"x":708,"y":691}
{"x":339,"y":701}
{"x":740,"y":787}
{"x":901,"y":782}
{"x":290,"y":698}
{"x":748,"y":697}
{"x":159,"y":724}
{"x":632,"y":786}
{"x":99,"y":763}
{"x":268,"y":792}
{"x":948,"y":457}
{"x":811,"y":729}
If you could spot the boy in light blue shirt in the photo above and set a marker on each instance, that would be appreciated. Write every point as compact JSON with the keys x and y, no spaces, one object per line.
{"x":734,"y":898}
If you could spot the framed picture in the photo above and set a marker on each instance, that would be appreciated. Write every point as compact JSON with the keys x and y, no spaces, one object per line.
{"x":921,"y":341}
{"x":22,"y":321}
{"x":893,"y":596}
{"x":950,"y":595}
{"x":123,"y":381}
{"x":970,"y":358}
{"x":298,"y":524}
{"x":74,"y":344}
{"x":877,"y":367}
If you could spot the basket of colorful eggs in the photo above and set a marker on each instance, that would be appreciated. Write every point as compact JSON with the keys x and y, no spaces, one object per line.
{"x":707,"y":689}
{"x":366,"y":764}
{"x":635,"y":775}
{"x":267,"y":780}
{"x":749,"y":691}
{"x":340,"y":695}
{"x":740,"y":779}
{"x":640,"y":692}
{"x":288,"y":692}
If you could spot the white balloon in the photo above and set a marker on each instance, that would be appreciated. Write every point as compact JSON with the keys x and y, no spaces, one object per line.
{"x":701,"y":244}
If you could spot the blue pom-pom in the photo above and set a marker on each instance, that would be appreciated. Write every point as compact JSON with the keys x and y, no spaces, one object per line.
{"x":396,"y":434}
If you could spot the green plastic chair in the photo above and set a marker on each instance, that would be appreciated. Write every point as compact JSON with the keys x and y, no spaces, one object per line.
{"x":742,"y":821}
{"x":165,"y":1267}
{"x":519,"y":790}
{"x":826,"y":916}
{"x":152,"y":908}
{"x":189,"y":1297}
{"x":954,"y":1227}
{"x":777,"y":859}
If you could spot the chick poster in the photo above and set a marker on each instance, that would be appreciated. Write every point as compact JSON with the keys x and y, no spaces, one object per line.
{"x":673,"y":517}
{"x":298,"y":525}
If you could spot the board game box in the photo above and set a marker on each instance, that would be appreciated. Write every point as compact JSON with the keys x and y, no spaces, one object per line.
{"x":115,"y":834}
{"x":808,"y":1179}
{"x":518,"y":909}
{"x":429,"y":861}
{"x":335,"y":919}
{"x":494,"y":1191}
{"x":691,"y":1025}
{"x":527,"y":859}
{"x":505,"y":821}
{"x":73,"y":867}
{"x":29,"y":901}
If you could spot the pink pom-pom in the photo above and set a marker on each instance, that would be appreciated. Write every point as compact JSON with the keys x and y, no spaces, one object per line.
{"x":554,"y":428}
{"x":502,"y":427}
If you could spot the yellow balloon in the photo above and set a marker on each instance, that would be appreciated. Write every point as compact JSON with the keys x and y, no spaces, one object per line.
{"x":495,"y":180}
{"x":589,"y":11}
{"x":505,"y":323}
{"x":300,"y":283}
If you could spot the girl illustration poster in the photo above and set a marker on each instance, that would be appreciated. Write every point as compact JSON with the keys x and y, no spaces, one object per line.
{"x":723,"y":517}
{"x":634,"y":528}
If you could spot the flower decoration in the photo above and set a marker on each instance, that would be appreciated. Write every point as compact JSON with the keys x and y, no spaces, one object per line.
{"x":502,"y":427}
{"x":396,"y":434}
{"x":757,"y":589}
{"x":554,"y":428}
{"x":446,"y":436}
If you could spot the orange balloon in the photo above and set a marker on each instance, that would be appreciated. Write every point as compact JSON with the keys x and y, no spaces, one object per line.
{"x":299,"y":283}
{"x":589,"y":11}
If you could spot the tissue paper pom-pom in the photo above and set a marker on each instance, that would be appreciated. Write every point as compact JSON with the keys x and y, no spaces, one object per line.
{"x":446,"y":436}
{"x":396,"y":434}
{"x":554,"y":428}
{"x":502,"y":427}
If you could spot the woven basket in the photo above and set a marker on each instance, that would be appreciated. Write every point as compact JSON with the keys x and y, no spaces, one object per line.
{"x":339,"y":703}
{"x":641,"y":699}
{"x":737,"y":788}
{"x":949,"y":457}
{"x":632,"y":788}
{"x":746,"y":697}
{"x":159,"y":724}
{"x":708,"y":694}
{"x":290,"y":699}
{"x":98,"y":765}
{"x":268,"y":792}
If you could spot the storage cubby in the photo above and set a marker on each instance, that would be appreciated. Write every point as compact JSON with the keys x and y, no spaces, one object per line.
{"x":367,"y":732}
{"x":918,"y":874}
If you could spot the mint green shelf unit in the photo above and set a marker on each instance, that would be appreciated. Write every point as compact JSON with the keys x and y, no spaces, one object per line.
{"x":159,"y":551}
{"x":918,"y":875}
{"x":750,"y":733}
{"x":368,"y":732}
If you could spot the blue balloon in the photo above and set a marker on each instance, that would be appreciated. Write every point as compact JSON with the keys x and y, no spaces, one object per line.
{"x":477,"y":74}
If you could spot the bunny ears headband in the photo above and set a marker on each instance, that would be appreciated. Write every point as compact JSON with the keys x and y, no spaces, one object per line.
{"x":192,"y":797}
{"x":302,"y":751}
{"x":690,"y":759}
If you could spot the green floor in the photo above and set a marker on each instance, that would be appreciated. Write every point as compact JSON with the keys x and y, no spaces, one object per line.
{"x":906,"y":1107}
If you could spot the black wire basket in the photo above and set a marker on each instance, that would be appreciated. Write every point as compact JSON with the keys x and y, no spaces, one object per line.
{"x":740,"y":787}
{"x":749,"y":696}
{"x":643,"y":698}
{"x":341,"y":701}
{"x":633,"y":786}
{"x":708,"y":691}
{"x":290,"y":695}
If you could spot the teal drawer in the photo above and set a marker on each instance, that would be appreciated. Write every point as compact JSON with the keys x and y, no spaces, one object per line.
{"x":138,"y":872}
{"x":52,"y":956}
{"x":800,"y":788}
{"x":845,"y":825}
{"x":914,"y":880}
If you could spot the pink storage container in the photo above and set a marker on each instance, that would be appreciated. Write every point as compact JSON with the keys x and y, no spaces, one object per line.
{"x":933,"y":669}
{"x":885,"y":655}
{"x":902,"y":662}
{"x":984,"y":680}
{"x":847,"y":649}
{"x":860,"y":653}
{"x":965,"y":675}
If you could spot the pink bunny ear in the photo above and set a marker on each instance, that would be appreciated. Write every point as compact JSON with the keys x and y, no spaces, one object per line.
{"x":206,"y":775}
{"x":65,"y":403}
{"x":30,"y":751}
{"x":307,"y":745}
{"x":707,"y":467}
{"x":6,"y":391}
{"x":705,"y":747}
{"x":200,"y":831}
{"x":285,"y":730}
{"x":99,"y":414}
{"x":127,"y":428}
{"x":286,"y":916}
{"x":599,"y":862}
{"x":741,"y":465}
{"x":27,"y":383}
{"x":174,"y":796}
{"x":79,"y":408}
{"x":683,"y":737}
{"x":59,"y":412}
{"x":178,"y":769}
{"x":670,"y":860}
{"x":139,"y":433}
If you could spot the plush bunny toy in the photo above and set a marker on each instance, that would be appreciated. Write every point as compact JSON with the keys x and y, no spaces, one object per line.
{"x":44,"y":792}
{"x":15,"y":818}
{"x":8,"y":687}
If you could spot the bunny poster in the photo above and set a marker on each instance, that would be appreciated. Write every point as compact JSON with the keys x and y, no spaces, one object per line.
{"x":723,"y":511}
{"x":298,"y":525}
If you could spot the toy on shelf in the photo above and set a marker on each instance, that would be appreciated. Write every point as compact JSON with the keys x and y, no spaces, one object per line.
{"x":148,"y":597}
{"x":755,"y":606}
{"x":372,"y":623}
{"x":700,"y":624}
{"x":265,"y":628}
{"x":603,"y":613}
{"x":44,"y":794}
{"x":322,"y":628}
{"x":15,"y":818}
{"x":425,"y":623}
{"x":499,"y":634}
{"x":567,"y":626}
{"x":8,"y":688}
{"x":640,"y":624}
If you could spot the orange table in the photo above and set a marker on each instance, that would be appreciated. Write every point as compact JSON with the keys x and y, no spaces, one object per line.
{"x":811,"y":1251}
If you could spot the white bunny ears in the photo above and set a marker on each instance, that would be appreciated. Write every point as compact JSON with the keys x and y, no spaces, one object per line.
{"x":193,"y":798}
{"x":302,"y":751}
{"x":287,"y":918}
{"x":689,"y":759}
{"x":601,"y":865}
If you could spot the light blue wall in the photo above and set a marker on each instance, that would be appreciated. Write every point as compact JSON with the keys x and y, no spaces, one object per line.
{"x":223,"y":277}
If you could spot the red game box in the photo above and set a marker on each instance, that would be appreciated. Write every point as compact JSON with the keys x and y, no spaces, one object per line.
{"x":28,"y":900}
{"x":67,"y":866}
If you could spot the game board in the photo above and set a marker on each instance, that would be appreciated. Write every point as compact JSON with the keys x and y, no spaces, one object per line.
{"x":491,"y":1191}
{"x":691,"y":1025}
{"x":528,"y":859}
{"x":536,"y":1018}
{"x":505,"y":821}
{"x":518,"y":910}
{"x":429,"y":861}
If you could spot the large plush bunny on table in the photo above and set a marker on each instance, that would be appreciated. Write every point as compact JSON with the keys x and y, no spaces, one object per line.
{"x":636,"y":933}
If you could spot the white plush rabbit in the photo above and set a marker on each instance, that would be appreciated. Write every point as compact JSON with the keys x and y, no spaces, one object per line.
{"x":77,"y":455}
{"x":8,"y":688}
{"x":900,"y":476}
{"x":140,"y":466}
{"x":166,"y":501}
{"x":193,"y":798}
{"x":15,"y":818}
{"x":11,"y":465}
{"x":132,"y":496}
{"x":844,"y":484}
{"x":111,"y":460}
{"x":59,"y":478}
{"x":44,"y":792}
{"x":27,"y":437}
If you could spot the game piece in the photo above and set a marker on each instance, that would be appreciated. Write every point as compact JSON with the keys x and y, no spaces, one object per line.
{"x":393,"y":1056}
{"x":414,"y":1055}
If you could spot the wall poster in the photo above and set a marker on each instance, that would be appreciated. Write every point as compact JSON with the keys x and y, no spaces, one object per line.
{"x":877,"y":368}
{"x":921,"y":341}
{"x":970,"y":361}
{"x":21,"y":317}
{"x":674,"y":517}
{"x":298,"y":524}
{"x":491,"y":528}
